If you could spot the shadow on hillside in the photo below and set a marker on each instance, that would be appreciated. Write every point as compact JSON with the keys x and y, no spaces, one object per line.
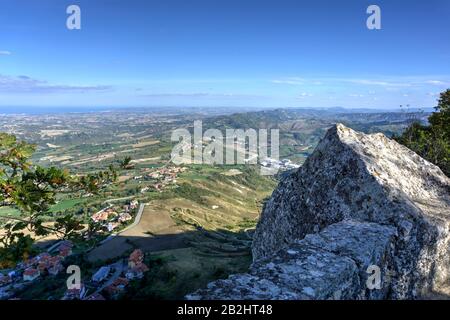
{"x":214,"y":243}
{"x":220,"y":244}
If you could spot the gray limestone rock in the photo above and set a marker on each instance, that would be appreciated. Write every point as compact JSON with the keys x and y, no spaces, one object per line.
{"x":329,"y":265}
{"x":371,"y":178}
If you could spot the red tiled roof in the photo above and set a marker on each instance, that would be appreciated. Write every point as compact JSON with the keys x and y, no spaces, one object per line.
{"x":120,"y":281}
{"x":136,"y":256}
{"x":141,"y":267}
{"x":43,"y":256}
{"x":65,"y":251}
{"x":30,"y":272}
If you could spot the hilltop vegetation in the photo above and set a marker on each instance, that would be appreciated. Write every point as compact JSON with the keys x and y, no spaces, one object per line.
{"x":432,"y":142}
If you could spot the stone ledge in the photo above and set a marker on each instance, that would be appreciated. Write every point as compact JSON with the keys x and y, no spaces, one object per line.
{"x":329,"y":265}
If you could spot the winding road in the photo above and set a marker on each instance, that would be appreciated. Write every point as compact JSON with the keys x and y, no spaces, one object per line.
{"x":136,"y":221}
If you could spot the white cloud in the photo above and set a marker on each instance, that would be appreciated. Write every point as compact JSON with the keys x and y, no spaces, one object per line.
{"x":5,"y":53}
{"x":371,"y":82}
{"x":26,"y":84}
{"x":391,"y":83}
{"x":305,"y":95}
{"x":436,"y":82}
{"x":289,"y":80}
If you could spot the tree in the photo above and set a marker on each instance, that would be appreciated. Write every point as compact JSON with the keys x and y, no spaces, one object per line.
{"x":432,"y":142}
{"x":126,"y":163}
{"x":32,"y":189}
{"x":113,"y":172}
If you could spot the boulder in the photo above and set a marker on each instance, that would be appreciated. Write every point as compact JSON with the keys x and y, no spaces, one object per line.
{"x":366,"y":177}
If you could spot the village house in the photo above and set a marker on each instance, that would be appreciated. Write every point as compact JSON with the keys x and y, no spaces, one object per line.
{"x":55,"y":263}
{"x":65,"y":249}
{"x":40,"y":265}
{"x":124,"y":217}
{"x":101,"y":274}
{"x":45,"y":262}
{"x":75,"y":294}
{"x":30,"y":274}
{"x":136,"y":272}
{"x":117,"y":287}
{"x":136,"y":266}
{"x":104,"y":215}
{"x":164,"y":176}
{"x":42,"y":257}
{"x":154,"y":175}
{"x":100,"y":216}
{"x":134,"y":204}
{"x":136,"y":258}
{"x":111,"y":226}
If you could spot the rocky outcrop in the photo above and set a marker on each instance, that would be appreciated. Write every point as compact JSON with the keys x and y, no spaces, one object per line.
{"x":370,"y":178}
{"x":332,"y":264}
{"x":358,"y":200}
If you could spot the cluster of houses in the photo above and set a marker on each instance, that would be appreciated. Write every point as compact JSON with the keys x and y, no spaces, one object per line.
{"x":111,"y":280}
{"x":284,"y":164}
{"x":42,"y":265}
{"x":136,"y":265}
{"x":162,"y":177}
{"x":110,"y":219}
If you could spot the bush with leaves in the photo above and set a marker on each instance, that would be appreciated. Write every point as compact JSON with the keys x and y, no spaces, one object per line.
{"x":432,"y":142}
{"x":126,"y":163}
{"x":32,"y":190}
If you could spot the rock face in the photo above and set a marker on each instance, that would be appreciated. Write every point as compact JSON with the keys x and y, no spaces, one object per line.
{"x":321,"y":266}
{"x":358,"y":200}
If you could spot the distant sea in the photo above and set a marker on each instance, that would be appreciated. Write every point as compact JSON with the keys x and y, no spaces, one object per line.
{"x":51,"y":110}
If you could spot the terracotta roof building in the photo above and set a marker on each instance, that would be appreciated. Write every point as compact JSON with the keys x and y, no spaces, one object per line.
{"x":30,"y":274}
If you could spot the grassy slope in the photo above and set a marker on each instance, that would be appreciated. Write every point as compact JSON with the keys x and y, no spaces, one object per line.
{"x":213,"y":211}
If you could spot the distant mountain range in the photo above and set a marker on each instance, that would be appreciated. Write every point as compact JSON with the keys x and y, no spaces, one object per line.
{"x":212,"y":110}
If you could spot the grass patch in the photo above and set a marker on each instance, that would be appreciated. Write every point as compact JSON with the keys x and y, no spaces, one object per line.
{"x":9,"y":211}
{"x":64,"y":205}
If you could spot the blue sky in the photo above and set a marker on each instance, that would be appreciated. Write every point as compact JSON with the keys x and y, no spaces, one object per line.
{"x":224,"y":53}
